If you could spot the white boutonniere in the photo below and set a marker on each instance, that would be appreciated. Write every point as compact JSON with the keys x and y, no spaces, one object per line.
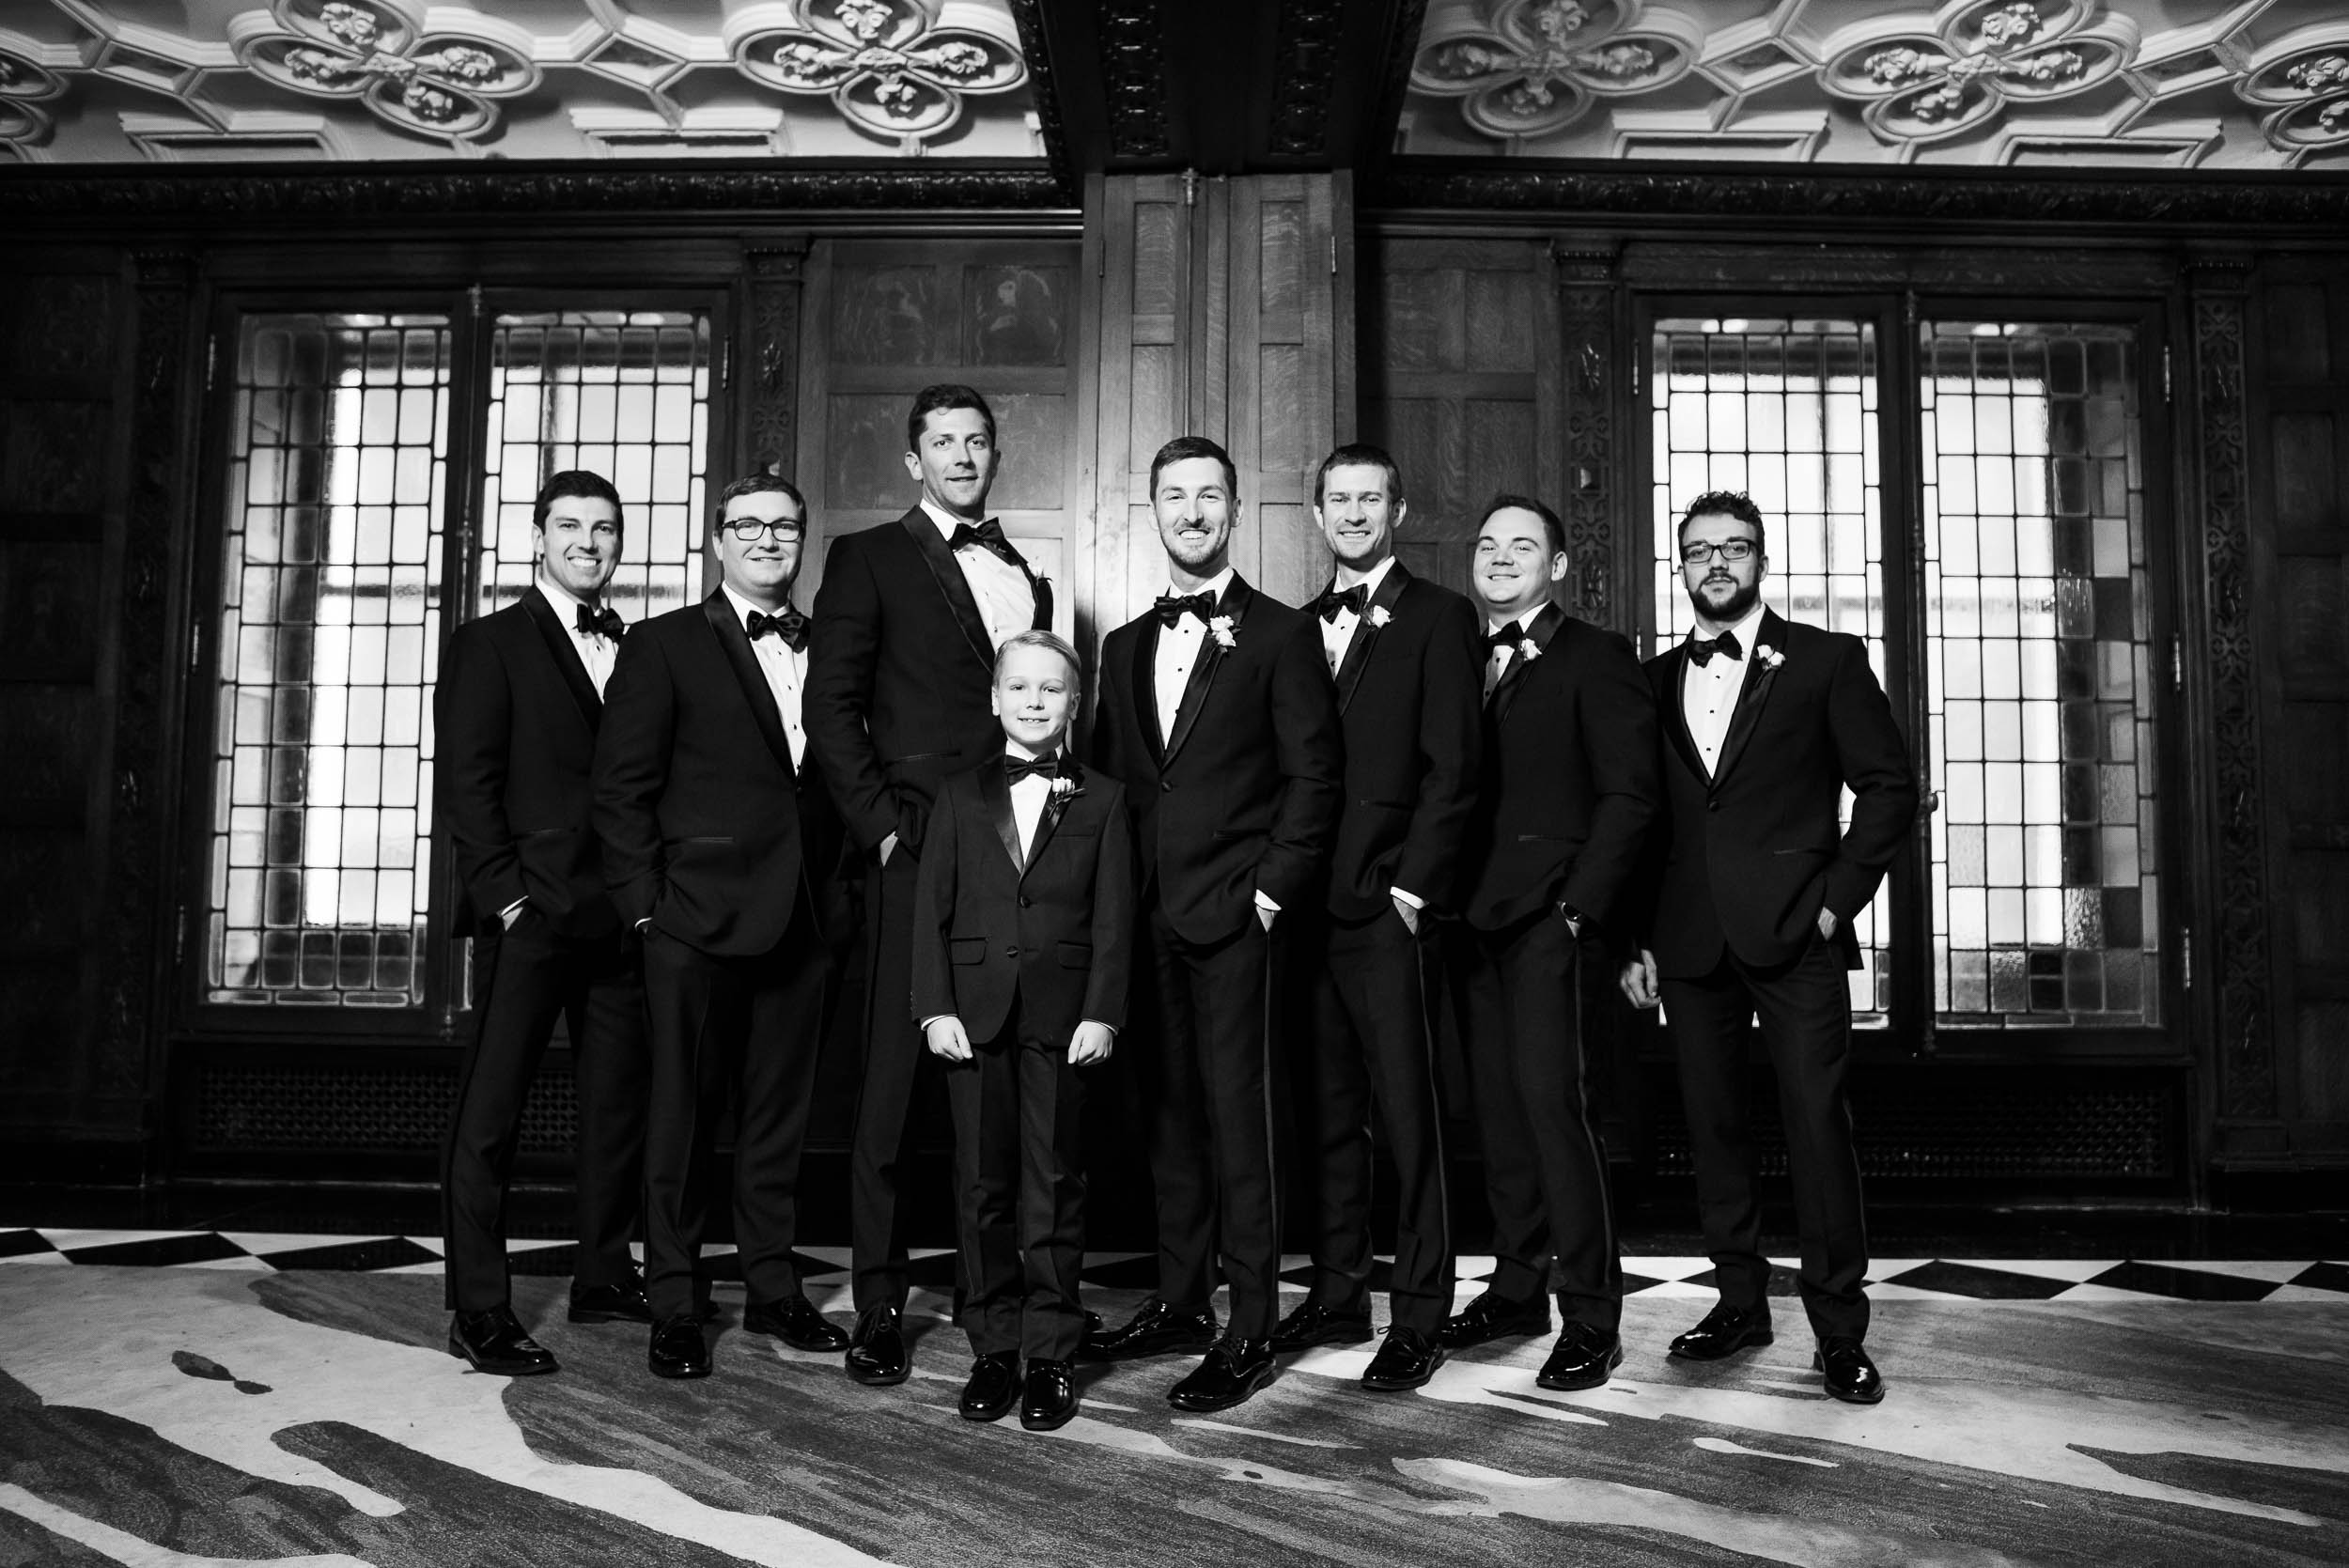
{"x":1066,"y":785}
{"x":1221,"y":630}
{"x":1771,"y":658}
{"x":1380,"y":616}
{"x":1528,"y":650}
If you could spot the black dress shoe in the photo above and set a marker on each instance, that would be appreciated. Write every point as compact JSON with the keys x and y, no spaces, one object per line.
{"x":621,"y":1303}
{"x":1406,"y":1360}
{"x":795,"y":1321}
{"x":1312,"y":1325}
{"x":677,"y":1348}
{"x":1155,"y":1329}
{"x":1850,"y":1376}
{"x":1582,"y":1359}
{"x":1493,"y":1315}
{"x":1051,"y":1396}
{"x":496,"y":1342}
{"x":993,"y":1389}
{"x":1233,"y":1369}
{"x":1725,"y":1330}
{"x":876,"y":1354}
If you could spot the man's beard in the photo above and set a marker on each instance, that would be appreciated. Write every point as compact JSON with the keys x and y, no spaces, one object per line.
{"x":1740,"y":604}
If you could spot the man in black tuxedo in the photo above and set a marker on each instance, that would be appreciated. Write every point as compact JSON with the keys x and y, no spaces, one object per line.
{"x":715,"y":831}
{"x":1219,"y":714}
{"x":516,"y":710}
{"x":1405,"y":654}
{"x":907,"y":626}
{"x":1770,"y":721}
{"x":1569,"y":793}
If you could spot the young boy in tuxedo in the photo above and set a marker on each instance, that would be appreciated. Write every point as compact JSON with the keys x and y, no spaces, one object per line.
{"x":1022,"y":921}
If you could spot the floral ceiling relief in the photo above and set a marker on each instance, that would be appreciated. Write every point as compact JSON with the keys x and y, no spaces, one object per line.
{"x":1537,"y":66}
{"x":22,"y":84}
{"x":2305,"y":87}
{"x":438,"y":84}
{"x":1979,"y":58}
{"x":887,"y":65}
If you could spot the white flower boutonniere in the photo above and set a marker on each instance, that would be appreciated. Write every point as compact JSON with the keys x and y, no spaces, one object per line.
{"x":1528,"y":650}
{"x":1379,"y":614}
{"x":1221,"y":630}
{"x":1771,"y":658}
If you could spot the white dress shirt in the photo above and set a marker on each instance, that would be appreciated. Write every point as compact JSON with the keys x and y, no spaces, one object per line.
{"x":596,"y":650}
{"x":1007,"y":602}
{"x":1178,"y":650}
{"x":1497,"y":663}
{"x":1338,"y":635}
{"x":785,"y":668}
{"x":1708,"y":691}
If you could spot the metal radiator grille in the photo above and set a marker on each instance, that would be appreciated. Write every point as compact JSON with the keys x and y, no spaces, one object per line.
{"x":401,"y":1109}
{"x":2115,"y":1132}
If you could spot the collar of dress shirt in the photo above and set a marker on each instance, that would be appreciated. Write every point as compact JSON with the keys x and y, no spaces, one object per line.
{"x":1523,"y":623}
{"x":945,"y":521}
{"x":1747,"y":630}
{"x":743,"y":607}
{"x":565,"y":604}
{"x":1370,"y":579}
{"x":1216,"y":585}
{"x":1013,"y":750}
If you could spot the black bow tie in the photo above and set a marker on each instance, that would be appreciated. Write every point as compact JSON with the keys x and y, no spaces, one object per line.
{"x":1356,"y":599}
{"x":1017,"y":769}
{"x":1172,"y":606}
{"x":1702,"y":649}
{"x":605,"y":623}
{"x":791,"y":626}
{"x":987,"y":535}
{"x":1507,"y":637}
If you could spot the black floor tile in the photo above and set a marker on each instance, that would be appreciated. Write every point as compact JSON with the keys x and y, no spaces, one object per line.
{"x":1136,"y":1273}
{"x":354,"y":1257}
{"x":545,"y":1262}
{"x":159,"y":1252}
{"x":1637,"y":1281}
{"x":1783,"y":1282}
{"x":23,"y":1243}
{"x":2183,"y":1284}
{"x":1982,"y":1284}
{"x":2323,"y":1276}
{"x":935,"y":1272}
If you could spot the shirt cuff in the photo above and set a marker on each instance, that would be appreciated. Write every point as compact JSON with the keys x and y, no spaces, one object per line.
{"x":1265,"y":901}
{"x":1099,"y":1024}
{"x":1414,"y":900}
{"x":925,"y":1023}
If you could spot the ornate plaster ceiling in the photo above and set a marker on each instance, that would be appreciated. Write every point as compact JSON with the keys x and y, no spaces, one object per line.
{"x":113,"y":80}
{"x":2093,"y":84}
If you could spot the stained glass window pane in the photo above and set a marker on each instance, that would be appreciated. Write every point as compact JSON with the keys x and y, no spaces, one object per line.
{"x":2038,"y":676}
{"x":329,"y":624}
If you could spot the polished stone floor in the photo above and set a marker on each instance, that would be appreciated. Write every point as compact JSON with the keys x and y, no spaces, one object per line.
{"x":207,"y":1397}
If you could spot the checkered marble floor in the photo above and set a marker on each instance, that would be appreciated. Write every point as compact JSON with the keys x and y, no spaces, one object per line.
{"x":1889,"y":1278}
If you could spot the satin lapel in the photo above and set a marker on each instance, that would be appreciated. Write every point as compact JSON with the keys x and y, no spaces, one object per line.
{"x":735,"y":643}
{"x":1234,"y":606}
{"x":1676,"y":706}
{"x":1752,"y":693}
{"x":1545,"y":627}
{"x":1366,"y":632}
{"x":566,"y":655}
{"x":951,"y":583}
{"x":996,"y":793}
{"x":1042,"y":588}
{"x":1145,"y":677}
{"x":1050,"y":819}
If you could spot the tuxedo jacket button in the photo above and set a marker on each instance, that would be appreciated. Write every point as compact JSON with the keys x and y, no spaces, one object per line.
{"x":1165,"y":787}
{"x":1025,"y":902}
{"x":1011,"y":952}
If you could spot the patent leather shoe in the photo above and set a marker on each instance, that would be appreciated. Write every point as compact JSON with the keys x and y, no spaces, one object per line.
{"x":1155,"y":1329}
{"x":495,"y":1342}
{"x":1850,"y":1376}
{"x":621,"y":1303}
{"x":1492,"y":1316}
{"x":877,"y":1351}
{"x":1312,"y":1324}
{"x":677,"y":1348}
{"x":1724,"y":1331}
{"x":993,"y":1388}
{"x":1582,"y":1358}
{"x":1232,"y":1370}
{"x":1050,"y":1398}
{"x":1406,"y":1360}
{"x":795,"y":1321}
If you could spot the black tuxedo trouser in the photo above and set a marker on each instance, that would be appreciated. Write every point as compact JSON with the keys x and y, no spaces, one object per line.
{"x":1369,"y":1044}
{"x":897,"y":1067}
{"x":1805,"y":1010}
{"x":1208,"y":1084}
{"x":523,"y":980}
{"x":1018,"y":1110}
{"x":751,"y":1029}
{"x":1544,"y":1164}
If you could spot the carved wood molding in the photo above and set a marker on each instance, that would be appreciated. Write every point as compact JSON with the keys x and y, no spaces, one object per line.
{"x":1594,"y":363}
{"x":2246,"y":1041}
{"x":772,"y":392}
{"x":1410,"y":16}
{"x":85,"y":199}
{"x":1307,"y":63}
{"x":1133,"y":77}
{"x":1721,"y":195}
{"x":1028,"y":16}
{"x":1668,"y":265}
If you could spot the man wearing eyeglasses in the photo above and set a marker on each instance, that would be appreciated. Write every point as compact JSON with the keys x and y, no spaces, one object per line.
{"x":1767,"y":723}
{"x":717,"y":831}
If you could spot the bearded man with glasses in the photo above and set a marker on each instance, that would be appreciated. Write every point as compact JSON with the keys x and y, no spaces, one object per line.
{"x":1766,"y":723}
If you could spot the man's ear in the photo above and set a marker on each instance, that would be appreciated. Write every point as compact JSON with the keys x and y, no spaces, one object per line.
{"x":1558,"y":565}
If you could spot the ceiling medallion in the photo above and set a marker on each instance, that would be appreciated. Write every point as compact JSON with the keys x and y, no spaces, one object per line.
{"x":2305,"y":86}
{"x":888,"y":67}
{"x":1979,"y":57}
{"x":1535,"y":66}
{"x":23,"y":83}
{"x":437,"y":85}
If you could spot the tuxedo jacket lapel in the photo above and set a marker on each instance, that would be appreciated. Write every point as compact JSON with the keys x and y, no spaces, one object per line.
{"x":566,"y":655}
{"x":1049,"y":819}
{"x":1676,"y":706}
{"x":995,"y":790}
{"x":951,"y":583}
{"x":1545,"y":627}
{"x":1753,"y":692}
{"x":1145,"y":678}
{"x":1233,"y":606}
{"x":1366,"y":632}
{"x":736,"y":642}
